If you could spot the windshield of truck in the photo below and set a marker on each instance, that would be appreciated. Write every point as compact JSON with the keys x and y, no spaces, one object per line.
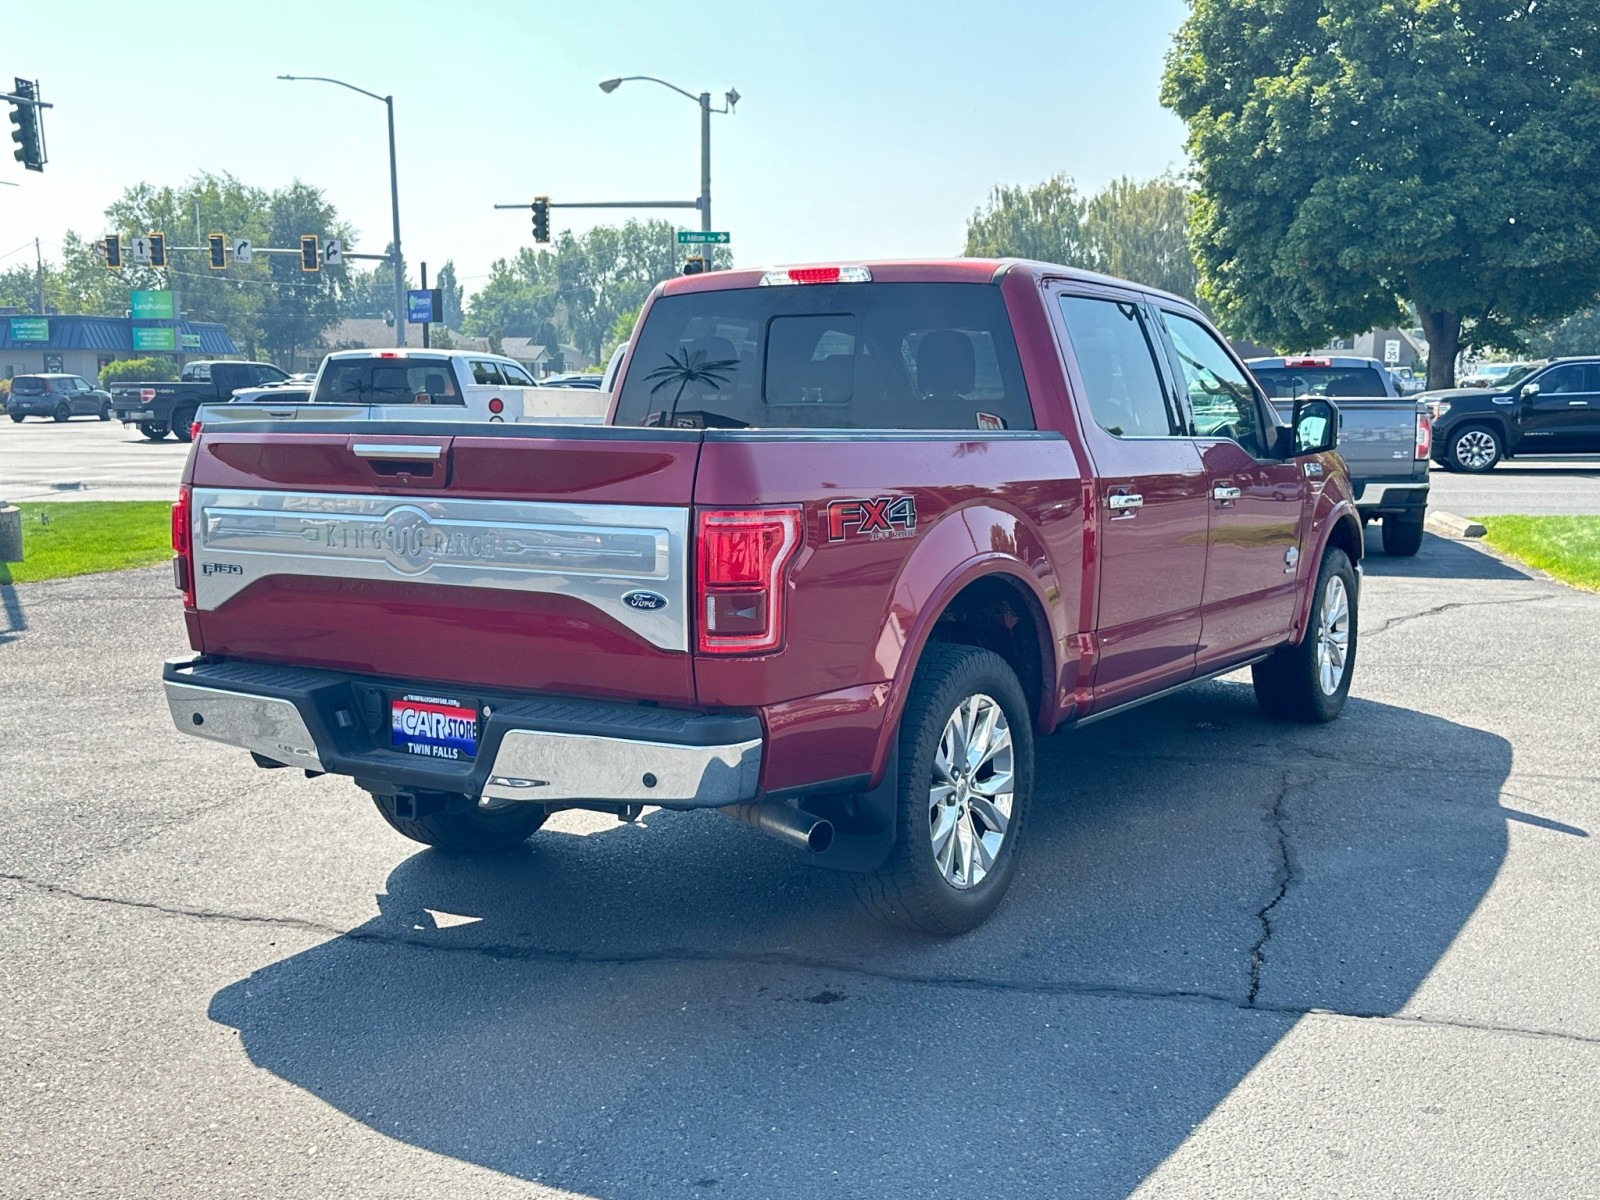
{"x":1285,"y":383}
{"x":828,"y":356}
{"x":388,"y":381}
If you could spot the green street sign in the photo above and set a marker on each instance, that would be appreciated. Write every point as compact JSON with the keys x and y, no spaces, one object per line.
{"x":703,"y":237}
{"x":152,"y":306}
{"x":154,"y":339}
{"x":30,"y":329}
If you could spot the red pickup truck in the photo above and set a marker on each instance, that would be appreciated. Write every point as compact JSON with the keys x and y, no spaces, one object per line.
{"x":851,"y":539}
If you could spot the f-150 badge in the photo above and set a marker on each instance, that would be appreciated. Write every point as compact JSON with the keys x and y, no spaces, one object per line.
{"x":877,"y":519}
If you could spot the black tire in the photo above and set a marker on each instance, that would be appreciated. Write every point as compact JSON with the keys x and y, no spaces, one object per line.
{"x":1290,"y":684}
{"x":154,"y":432}
{"x":19,"y":418}
{"x":62,"y":412}
{"x":183,"y":424}
{"x":1402,"y":536}
{"x":1475,"y":449}
{"x":472,"y":830}
{"x":105,"y":412}
{"x":911,"y":888}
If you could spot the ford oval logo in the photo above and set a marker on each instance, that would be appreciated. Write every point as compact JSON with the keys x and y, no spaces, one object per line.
{"x":645,"y":601}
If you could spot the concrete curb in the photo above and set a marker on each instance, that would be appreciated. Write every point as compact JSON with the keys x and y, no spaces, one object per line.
{"x":1447,"y":524}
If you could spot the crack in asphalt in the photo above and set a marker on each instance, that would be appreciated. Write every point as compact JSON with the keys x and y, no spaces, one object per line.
{"x":1034,"y":987}
{"x":1395,"y":622}
{"x":1283,"y":876}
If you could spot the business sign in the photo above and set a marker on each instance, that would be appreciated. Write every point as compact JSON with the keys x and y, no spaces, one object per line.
{"x":154,"y":338}
{"x":30,"y":329}
{"x":703,"y":237}
{"x":423,"y":305}
{"x":191,"y":341}
{"x":152,"y":306}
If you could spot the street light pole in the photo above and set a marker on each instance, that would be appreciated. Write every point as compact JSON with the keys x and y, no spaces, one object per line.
{"x":394,"y":200}
{"x":704,"y":101}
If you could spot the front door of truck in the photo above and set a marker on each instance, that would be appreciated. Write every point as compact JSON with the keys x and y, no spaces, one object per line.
{"x":1149,"y":512}
{"x":1256,"y":501}
{"x":1563,"y":417}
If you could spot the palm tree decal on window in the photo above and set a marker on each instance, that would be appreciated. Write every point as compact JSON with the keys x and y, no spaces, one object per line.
{"x":691,"y":366}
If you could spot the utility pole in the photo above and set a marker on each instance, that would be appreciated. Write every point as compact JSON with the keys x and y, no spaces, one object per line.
{"x":705,"y":161}
{"x":425,"y":324}
{"x":38,"y":255}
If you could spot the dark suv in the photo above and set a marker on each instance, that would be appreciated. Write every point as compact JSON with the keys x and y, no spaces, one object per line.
{"x":58,"y":396}
{"x":1553,"y":409}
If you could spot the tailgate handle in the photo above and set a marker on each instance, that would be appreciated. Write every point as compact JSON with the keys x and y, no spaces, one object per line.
{"x":396,"y":453}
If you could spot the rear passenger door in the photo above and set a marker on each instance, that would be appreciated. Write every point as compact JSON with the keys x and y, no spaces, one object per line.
{"x":1150,"y":506}
{"x":1256,"y":501}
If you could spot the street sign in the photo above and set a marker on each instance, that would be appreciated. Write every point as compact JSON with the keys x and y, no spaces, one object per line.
{"x":241,"y":250}
{"x":1391,"y":351}
{"x":333,"y":253}
{"x":139,"y":251}
{"x":30,"y":329}
{"x":151,"y":306}
{"x":703,"y":237}
{"x":154,"y":337}
{"x":421,"y":306}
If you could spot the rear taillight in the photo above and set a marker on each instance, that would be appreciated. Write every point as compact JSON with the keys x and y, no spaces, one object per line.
{"x":183,"y":548}
{"x":744,"y":557}
{"x":146,"y":395}
{"x":1424,"y":436}
{"x":497,"y":405}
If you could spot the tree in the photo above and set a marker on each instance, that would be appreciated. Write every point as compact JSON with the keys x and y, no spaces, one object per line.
{"x":300,"y":304}
{"x":1045,"y":222}
{"x":1577,"y":334}
{"x":451,"y":293}
{"x":1140,"y":231}
{"x":1351,"y":153}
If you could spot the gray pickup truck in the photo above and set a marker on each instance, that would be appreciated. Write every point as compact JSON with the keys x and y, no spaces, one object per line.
{"x":1385,"y":438}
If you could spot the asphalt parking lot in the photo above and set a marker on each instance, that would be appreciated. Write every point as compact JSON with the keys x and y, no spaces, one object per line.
{"x":1241,"y":959}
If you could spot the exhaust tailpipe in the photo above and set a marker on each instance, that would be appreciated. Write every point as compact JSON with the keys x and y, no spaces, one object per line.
{"x":793,"y":826}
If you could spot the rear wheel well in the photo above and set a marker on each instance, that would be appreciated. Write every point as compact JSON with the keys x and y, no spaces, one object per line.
{"x":997,"y":613}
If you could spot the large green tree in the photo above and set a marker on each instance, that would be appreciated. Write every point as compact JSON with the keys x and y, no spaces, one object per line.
{"x":1351,"y":153}
{"x":1044,"y":222}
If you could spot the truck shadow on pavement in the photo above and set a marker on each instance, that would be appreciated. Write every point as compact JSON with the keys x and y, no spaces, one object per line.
{"x":1439,"y":558}
{"x":684,"y":1009}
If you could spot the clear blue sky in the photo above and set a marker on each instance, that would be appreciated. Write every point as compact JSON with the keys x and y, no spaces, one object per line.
{"x":867,"y":128}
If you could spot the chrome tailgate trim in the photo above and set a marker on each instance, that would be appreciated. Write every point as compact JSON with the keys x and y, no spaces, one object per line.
{"x":628,"y":561}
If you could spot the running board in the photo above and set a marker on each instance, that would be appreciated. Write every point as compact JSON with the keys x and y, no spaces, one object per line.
{"x":1165,"y":692}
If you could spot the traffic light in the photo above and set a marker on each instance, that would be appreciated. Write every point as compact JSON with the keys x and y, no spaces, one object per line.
{"x":114,"y":251}
{"x":218,"y":245}
{"x":541,"y":218}
{"x":308,"y":253}
{"x":694,"y":265}
{"x":158,"y":250}
{"x":29,"y":133}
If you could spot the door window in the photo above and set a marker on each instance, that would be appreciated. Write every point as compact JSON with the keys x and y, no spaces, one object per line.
{"x":1565,"y":380}
{"x":515,"y":375}
{"x":1221,"y":397}
{"x":484,"y":371}
{"x":1116,"y":359}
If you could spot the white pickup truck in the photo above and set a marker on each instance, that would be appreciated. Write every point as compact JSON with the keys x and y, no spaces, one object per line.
{"x":412,"y":385}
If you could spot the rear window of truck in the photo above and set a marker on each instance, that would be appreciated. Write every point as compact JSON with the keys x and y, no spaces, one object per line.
{"x":828,"y":356}
{"x":1285,"y":383}
{"x":388,"y":381}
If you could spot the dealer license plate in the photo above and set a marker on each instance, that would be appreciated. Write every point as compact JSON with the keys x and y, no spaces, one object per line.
{"x":434,"y":727}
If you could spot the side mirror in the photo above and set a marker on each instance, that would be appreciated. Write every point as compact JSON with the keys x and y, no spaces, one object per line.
{"x":1529,"y":390}
{"x":1316,"y":426}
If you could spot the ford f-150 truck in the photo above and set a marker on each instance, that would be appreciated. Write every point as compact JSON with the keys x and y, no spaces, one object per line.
{"x":851,"y":539}
{"x":160,"y":407}
{"x":1384,"y":438}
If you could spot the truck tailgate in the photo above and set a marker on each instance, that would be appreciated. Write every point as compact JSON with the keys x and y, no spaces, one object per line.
{"x":1377,"y":435}
{"x":556,"y":562}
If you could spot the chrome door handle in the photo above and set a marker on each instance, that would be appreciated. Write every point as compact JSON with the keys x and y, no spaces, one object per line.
{"x":1125,"y":501}
{"x":1577,"y":404}
{"x":1225,"y":493}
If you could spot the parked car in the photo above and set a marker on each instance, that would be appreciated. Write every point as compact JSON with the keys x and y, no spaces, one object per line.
{"x":163,"y":407}
{"x":1552,"y":409}
{"x":1489,"y":375}
{"x":585,"y":379}
{"x":853,"y":537}
{"x":1385,"y":438}
{"x":60,"y":397}
{"x":413,"y":385}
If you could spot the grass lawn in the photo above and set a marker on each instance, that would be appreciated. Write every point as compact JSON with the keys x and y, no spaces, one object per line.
{"x":1565,"y":547}
{"x":87,"y":536}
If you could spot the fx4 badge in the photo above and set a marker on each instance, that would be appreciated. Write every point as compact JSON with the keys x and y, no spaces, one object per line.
{"x":877,"y":519}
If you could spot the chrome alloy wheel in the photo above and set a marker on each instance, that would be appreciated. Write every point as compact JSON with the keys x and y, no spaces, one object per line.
{"x":969,"y":801}
{"x":1333,"y":635}
{"x":1475,"y":449}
